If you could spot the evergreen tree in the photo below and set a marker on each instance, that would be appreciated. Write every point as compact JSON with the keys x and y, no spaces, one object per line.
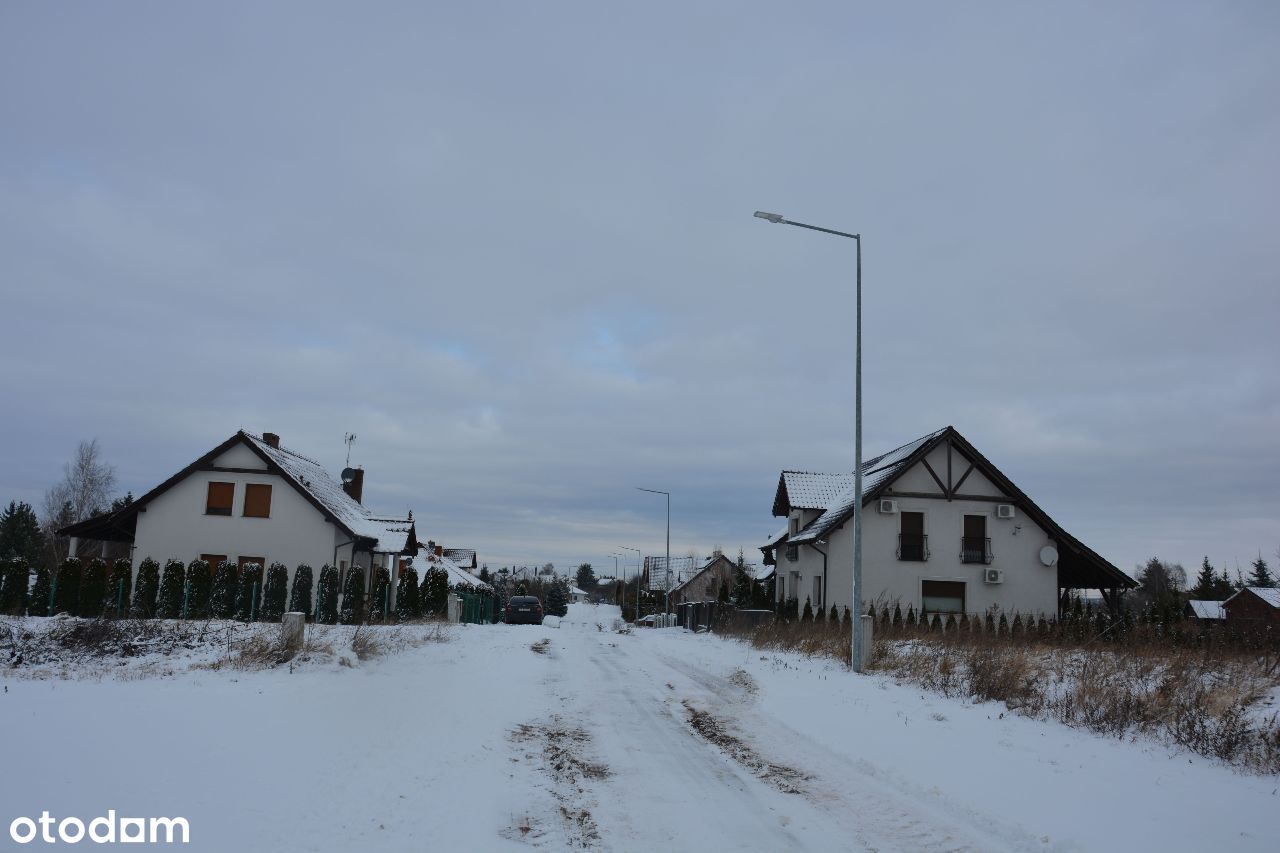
{"x":199,"y":588}
{"x":14,"y":577}
{"x":723,"y":595}
{"x":38,"y":599}
{"x":557,"y":603}
{"x":806,"y":615}
{"x":1261,"y":574}
{"x":741,"y":583}
{"x":1225,"y":588}
{"x":274,"y":592}
{"x":222,"y":596}
{"x":834,"y":616}
{"x":353,"y":597}
{"x":1206,"y":588}
{"x":846,"y":617}
{"x":20,"y":535}
{"x":119,"y":582}
{"x":66,"y":596}
{"x":484,"y":574}
{"x":408,"y":603}
{"x":146,"y":590}
{"x":380,"y":599}
{"x":434,"y":595}
{"x":586,"y":577}
{"x":93,"y":585}
{"x":897,"y":615}
{"x":327,"y":596}
{"x":300,"y":593}
{"x":248,"y":591}
{"x":173,"y":584}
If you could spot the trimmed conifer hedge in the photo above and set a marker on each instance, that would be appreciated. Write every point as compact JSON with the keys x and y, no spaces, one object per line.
{"x":408,"y":602}
{"x":172,"y":582}
{"x":380,"y":599}
{"x":14,"y":576}
{"x":199,"y":587}
{"x":146,"y":590}
{"x":66,"y":591}
{"x":273,"y":593}
{"x":222,"y":597}
{"x":300,"y":593}
{"x":119,"y":582}
{"x":434,"y":595}
{"x":93,"y":585}
{"x":248,"y":591}
{"x":353,"y":597}
{"x":38,"y":599}
{"x":327,"y":596}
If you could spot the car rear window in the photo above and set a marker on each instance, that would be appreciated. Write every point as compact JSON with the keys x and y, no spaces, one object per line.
{"x":524,"y":599}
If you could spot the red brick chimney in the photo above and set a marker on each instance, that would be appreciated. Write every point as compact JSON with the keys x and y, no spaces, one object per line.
{"x":355,"y":488}
{"x":271,"y":439}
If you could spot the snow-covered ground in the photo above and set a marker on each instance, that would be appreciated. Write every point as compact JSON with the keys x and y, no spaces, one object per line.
{"x":576,"y":736}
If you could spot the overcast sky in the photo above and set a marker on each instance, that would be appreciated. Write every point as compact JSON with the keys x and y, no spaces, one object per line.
{"x":510,"y":246}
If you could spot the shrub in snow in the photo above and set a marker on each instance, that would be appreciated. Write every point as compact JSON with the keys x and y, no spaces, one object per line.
{"x":557,"y":603}
{"x":434,"y":595}
{"x":172,"y":583}
{"x":806,"y":615}
{"x":300,"y":593}
{"x":1003,"y":627}
{"x":248,"y":591}
{"x":911,"y":616}
{"x":408,"y":604}
{"x":274,"y":592}
{"x":834,"y":616}
{"x":327,"y":596}
{"x":13,"y":587}
{"x":1016,"y":627}
{"x":148,"y":587}
{"x":353,"y":597}
{"x":897,"y":616}
{"x":119,"y":581}
{"x":93,"y":585}
{"x":951,"y":623}
{"x":964,"y":622}
{"x":222,"y":595}
{"x":38,"y":598}
{"x":66,"y":593}
{"x":990,"y":624}
{"x":199,"y":585}
{"x":380,"y":596}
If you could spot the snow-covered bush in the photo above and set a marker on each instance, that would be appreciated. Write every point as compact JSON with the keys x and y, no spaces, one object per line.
{"x":119,"y":581}
{"x":408,"y":603}
{"x":274,"y":592}
{"x":38,"y":598}
{"x":248,"y":591}
{"x":327,"y":596}
{"x":66,"y":594}
{"x":435,"y":592}
{"x":222,"y":598}
{"x":146,"y":590}
{"x":353,"y":597}
{"x":557,"y":603}
{"x":172,"y":584}
{"x":380,"y":596}
{"x":199,"y":586}
{"x":300,"y":593}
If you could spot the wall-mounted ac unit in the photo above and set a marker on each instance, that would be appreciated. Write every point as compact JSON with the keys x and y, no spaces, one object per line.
{"x":888,"y":507}
{"x":1004,"y":510}
{"x":993,"y":575}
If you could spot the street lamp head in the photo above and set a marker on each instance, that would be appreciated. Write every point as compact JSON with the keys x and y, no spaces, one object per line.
{"x":772,"y":217}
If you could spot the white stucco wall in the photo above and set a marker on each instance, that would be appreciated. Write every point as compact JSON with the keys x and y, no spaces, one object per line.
{"x":1028,"y":586}
{"x":174,"y":525}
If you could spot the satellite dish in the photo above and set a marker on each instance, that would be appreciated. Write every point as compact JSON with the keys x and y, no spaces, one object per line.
{"x":348,"y":476}
{"x":1049,"y":555}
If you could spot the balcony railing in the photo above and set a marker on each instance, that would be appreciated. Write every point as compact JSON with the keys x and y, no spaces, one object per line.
{"x":913,"y":546}
{"x":974,"y":549}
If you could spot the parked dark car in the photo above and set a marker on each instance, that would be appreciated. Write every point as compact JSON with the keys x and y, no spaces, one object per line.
{"x":523,"y":609}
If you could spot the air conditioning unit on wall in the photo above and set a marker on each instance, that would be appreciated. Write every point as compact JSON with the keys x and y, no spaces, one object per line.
{"x":888,"y":507}
{"x":1004,"y":510}
{"x":993,"y":576}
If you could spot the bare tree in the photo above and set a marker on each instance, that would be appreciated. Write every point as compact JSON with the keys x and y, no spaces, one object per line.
{"x":85,"y":490}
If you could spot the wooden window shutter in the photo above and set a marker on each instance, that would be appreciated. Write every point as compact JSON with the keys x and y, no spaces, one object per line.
{"x":220,"y":496}
{"x":257,"y":500}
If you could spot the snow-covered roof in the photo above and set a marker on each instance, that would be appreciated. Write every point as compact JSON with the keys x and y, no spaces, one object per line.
{"x":776,"y":539}
{"x":464,"y":557}
{"x":457,"y":576}
{"x":874,"y":473}
{"x":1268,"y":594}
{"x":575,"y":591}
{"x":1207,"y":609}
{"x":809,"y":490}
{"x":390,"y":535}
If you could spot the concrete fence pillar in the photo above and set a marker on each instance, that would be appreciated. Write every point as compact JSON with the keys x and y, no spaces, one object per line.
{"x":868,"y":638}
{"x":291,"y":628}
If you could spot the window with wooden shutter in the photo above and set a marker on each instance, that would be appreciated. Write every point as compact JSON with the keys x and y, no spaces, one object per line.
{"x":257,"y":500}
{"x":214,"y":560}
{"x":942,"y":596}
{"x":218,"y":501}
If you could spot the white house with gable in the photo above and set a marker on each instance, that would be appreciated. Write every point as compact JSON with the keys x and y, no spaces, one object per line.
{"x":249,"y":500}
{"x":943,"y":529}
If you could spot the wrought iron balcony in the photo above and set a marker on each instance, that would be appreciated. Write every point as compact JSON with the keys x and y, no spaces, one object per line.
{"x":913,"y":546}
{"x":974,"y":549}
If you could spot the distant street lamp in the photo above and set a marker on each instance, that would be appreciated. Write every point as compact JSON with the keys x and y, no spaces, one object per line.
{"x":777,"y":219}
{"x":624,"y":580}
{"x":666,"y":601}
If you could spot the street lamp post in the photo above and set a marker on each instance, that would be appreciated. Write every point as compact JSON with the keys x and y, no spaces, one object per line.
{"x":624,"y":582}
{"x":857,"y":465}
{"x":666,"y":599}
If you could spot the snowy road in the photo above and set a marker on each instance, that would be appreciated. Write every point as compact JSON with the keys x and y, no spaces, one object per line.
{"x":581,"y":738}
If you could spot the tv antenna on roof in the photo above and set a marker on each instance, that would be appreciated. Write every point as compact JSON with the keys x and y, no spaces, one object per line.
{"x":349,"y":439}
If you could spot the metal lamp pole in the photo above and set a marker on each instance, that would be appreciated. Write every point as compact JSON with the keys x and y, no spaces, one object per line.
{"x":857,"y":470}
{"x":666,"y":600}
{"x":624,"y":580}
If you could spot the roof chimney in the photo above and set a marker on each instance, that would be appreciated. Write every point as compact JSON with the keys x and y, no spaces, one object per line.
{"x":355,"y":488}
{"x":271,"y":439}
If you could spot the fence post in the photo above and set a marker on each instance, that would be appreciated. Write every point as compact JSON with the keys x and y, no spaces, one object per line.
{"x":868,"y":627}
{"x":119,"y":596}
{"x":253,"y":603}
{"x":186,"y":599}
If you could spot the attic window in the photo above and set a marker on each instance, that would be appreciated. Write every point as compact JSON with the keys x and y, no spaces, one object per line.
{"x":218,"y":500}
{"x":257,"y":500}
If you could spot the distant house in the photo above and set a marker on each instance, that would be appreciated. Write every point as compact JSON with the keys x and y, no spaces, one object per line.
{"x":706,"y":583}
{"x":463,"y":558}
{"x":1207,"y":611}
{"x":577,"y":596}
{"x":432,"y":556}
{"x":1257,"y":605}
{"x":944,"y":530}
{"x":249,"y":500}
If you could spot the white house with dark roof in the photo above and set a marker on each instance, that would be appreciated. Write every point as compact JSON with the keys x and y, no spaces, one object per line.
{"x":249,"y":500}
{"x":943,"y":531}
